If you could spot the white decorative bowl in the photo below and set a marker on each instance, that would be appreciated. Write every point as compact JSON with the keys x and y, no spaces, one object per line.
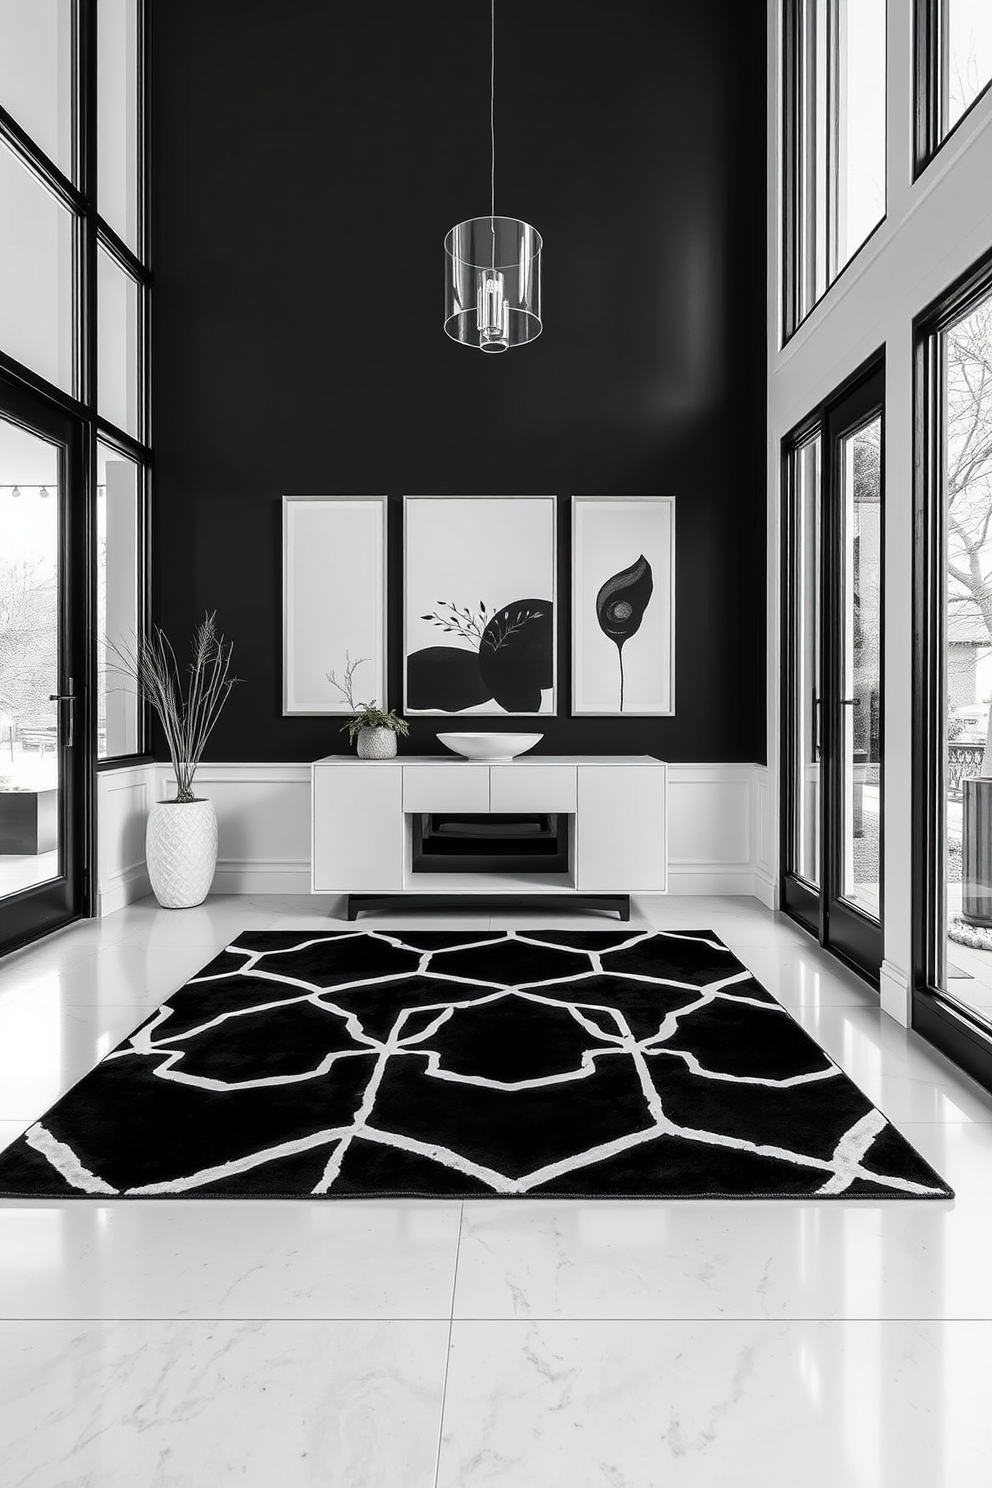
{"x":496,"y":749}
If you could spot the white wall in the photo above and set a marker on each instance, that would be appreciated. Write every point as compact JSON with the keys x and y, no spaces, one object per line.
{"x":719,"y":831}
{"x":934,"y":230}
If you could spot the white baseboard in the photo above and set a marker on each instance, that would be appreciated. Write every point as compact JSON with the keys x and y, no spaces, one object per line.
{"x":896,"y":993}
{"x":766,"y":886}
{"x":126,"y":888}
{"x":235,"y":876}
{"x":709,"y":881}
{"x":719,"y":829}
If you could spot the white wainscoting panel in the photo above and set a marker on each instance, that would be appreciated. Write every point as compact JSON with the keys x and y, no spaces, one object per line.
{"x":263,"y":825}
{"x":124,"y":798}
{"x":764,"y":822}
{"x":720,"y":829}
{"x":710,"y":832}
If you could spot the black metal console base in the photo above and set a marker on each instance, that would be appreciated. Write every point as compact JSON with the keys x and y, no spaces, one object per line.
{"x":359,"y":903}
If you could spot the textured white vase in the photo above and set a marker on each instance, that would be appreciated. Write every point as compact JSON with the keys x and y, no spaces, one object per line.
{"x":376,"y":744}
{"x":181,"y":851}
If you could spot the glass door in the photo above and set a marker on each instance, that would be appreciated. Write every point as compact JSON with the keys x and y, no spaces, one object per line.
{"x":42,"y":657}
{"x":952,"y":740}
{"x":832,"y":608}
{"x":853,"y":659}
{"x":803,"y":605}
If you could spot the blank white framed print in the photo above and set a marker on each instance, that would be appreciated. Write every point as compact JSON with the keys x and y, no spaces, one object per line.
{"x":334,"y":602}
{"x":623,"y":606}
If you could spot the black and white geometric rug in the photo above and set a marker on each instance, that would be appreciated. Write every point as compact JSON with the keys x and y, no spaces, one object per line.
{"x":592,"y":1064}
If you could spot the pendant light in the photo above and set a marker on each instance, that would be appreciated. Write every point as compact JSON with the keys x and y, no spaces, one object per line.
{"x":492,"y":293}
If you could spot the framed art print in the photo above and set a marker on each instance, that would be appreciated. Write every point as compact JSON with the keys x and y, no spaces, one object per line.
{"x":623,"y":605}
{"x":479,"y":604}
{"x":334,"y":602}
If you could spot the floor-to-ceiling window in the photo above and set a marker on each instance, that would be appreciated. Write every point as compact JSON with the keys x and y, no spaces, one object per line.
{"x":832,"y":672}
{"x":834,"y":173}
{"x":953,"y":67}
{"x":954,"y":617}
{"x":74,"y":433}
{"x":802,"y":609}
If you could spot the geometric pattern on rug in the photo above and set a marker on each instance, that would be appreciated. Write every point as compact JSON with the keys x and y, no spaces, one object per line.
{"x":579,"y":1064}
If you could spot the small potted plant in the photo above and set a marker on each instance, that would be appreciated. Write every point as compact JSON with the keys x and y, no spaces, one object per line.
{"x":181,"y":836}
{"x":375,"y":728}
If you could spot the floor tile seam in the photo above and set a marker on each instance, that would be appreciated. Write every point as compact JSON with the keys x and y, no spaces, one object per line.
{"x":862,"y":1319}
{"x":557,"y":1320}
{"x":233,"y":1318}
{"x":68,"y":1010}
{"x":447,"y":1348}
{"x":818,"y":1005}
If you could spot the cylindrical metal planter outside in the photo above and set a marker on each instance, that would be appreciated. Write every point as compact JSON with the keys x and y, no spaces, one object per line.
{"x":976,"y":811}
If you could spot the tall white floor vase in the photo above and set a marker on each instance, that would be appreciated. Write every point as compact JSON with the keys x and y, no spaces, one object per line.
{"x":181,"y":851}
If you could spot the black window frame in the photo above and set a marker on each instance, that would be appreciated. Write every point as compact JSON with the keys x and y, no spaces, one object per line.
{"x":79,"y":194}
{"x":800,"y":897}
{"x":948,"y":1024}
{"x":930,"y":84}
{"x":799,"y":185}
{"x":840,"y":927}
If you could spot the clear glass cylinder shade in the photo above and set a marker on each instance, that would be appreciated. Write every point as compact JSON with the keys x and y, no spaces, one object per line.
{"x":492,"y":291}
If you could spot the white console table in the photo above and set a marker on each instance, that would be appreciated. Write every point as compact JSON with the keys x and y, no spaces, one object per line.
{"x":362,"y":812}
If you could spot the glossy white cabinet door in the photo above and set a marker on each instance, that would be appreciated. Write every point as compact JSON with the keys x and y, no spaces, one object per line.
{"x":357,"y":828}
{"x":446,"y":787}
{"x":519,"y":787}
{"x":620,"y":829}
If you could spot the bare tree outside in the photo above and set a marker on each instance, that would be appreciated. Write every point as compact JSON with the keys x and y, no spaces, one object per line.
{"x":28,"y":638}
{"x":969,"y":476}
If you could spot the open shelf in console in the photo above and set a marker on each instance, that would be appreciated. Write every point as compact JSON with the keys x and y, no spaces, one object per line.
{"x":497,"y":842}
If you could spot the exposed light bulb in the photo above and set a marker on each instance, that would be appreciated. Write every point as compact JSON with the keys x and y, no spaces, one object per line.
{"x":15,"y":491}
{"x":492,"y":311}
{"x":43,"y":493}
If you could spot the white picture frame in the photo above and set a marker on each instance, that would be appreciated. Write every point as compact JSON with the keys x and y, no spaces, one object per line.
{"x":334,"y":601}
{"x":487,"y":565}
{"x":628,"y":541}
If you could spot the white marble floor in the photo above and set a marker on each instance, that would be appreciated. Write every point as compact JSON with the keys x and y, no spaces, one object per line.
{"x":186,"y":1344}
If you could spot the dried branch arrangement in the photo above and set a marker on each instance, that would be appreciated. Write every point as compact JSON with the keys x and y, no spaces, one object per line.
{"x":347,"y":687}
{"x":188,"y":702}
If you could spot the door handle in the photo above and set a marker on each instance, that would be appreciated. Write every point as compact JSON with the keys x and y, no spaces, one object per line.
{"x":817,"y":745}
{"x":850,"y":702}
{"x":67,"y":697}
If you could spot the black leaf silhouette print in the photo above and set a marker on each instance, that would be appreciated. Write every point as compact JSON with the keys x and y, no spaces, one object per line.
{"x":620,"y":606}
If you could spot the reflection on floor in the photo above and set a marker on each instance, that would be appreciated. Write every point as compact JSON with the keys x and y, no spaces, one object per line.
{"x":865,"y":854}
{"x":509,"y":1344}
{"x":27,"y":770}
{"x":969,"y":971}
{"x":20,"y":872}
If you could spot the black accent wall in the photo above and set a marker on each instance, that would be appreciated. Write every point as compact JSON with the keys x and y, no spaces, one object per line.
{"x":307,"y":159}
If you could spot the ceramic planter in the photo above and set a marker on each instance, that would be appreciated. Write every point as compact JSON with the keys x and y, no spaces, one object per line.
{"x":181,"y":851}
{"x":376,"y":744}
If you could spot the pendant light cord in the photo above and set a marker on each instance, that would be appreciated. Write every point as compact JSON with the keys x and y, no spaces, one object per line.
{"x":492,"y":124}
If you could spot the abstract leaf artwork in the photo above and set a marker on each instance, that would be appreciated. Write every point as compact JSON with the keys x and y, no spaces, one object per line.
{"x":493,"y":653}
{"x":623,"y":604}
